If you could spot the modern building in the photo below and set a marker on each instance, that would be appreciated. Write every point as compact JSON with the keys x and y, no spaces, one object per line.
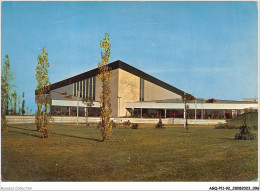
{"x":137,"y":94}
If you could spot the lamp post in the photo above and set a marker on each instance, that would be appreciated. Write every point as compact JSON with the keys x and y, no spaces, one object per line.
{"x":78,"y":106}
{"x":184,"y":110}
{"x":195,"y":112}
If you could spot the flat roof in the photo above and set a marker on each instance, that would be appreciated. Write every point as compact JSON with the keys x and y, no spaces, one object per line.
{"x":200,"y":104}
{"x":201,"y":100}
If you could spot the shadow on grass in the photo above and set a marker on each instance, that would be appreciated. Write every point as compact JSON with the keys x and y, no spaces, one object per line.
{"x":25,"y":134}
{"x":233,"y":139}
{"x":73,"y":136}
{"x":91,"y":139}
{"x":22,"y":128}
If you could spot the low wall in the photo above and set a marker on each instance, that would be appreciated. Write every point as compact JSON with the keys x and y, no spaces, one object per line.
{"x":13,"y":119}
{"x":69,"y":119}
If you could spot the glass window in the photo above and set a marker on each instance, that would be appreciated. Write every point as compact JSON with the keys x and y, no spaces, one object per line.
{"x":90,"y":88}
{"x":74,"y":88}
{"x":87,"y":88}
{"x":80,"y":88}
{"x":94,"y":87}
{"x":141,"y":96}
{"x":83,"y":90}
{"x":77,"y":89}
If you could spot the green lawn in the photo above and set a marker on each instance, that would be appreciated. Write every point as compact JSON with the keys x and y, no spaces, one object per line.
{"x":74,"y":153}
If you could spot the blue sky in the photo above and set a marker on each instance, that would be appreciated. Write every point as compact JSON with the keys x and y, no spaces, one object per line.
{"x":208,"y":49}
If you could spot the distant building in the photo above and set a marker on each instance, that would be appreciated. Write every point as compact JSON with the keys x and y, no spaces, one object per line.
{"x":250,"y":99}
{"x":137,"y":94}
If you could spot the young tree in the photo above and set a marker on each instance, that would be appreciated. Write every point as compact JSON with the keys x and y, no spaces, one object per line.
{"x":185,"y":98}
{"x":14,"y":96}
{"x":23,"y":105}
{"x":6,"y":85}
{"x":27,"y":110}
{"x":245,"y":133}
{"x":105,"y":75}
{"x":6,"y":79}
{"x":3,"y":116}
{"x":19,"y":105}
{"x":43,"y":115}
{"x":11,"y":100}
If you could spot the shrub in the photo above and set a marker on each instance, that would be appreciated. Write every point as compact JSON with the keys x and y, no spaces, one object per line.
{"x":245,"y":133}
{"x":114,"y":125}
{"x":135,"y":126}
{"x":127,"y":123}
{"x":226,"y":126}
{"x":160,"y":125}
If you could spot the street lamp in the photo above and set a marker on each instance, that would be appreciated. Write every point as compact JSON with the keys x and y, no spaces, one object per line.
{"x":195,"y":112}
{"x":78,"y":106}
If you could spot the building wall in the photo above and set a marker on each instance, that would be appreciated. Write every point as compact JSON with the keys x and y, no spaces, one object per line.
{"x":125,"y":85}
{"x":114,"y":91}
{"x":128,"y":90}
{"x":154,"y":92}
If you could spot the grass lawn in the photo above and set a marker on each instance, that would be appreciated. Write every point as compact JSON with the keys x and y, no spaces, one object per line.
{"x":74,"y":153}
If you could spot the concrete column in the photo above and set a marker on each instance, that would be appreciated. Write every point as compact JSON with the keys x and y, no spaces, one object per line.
{"x":141,"y":113}
{"x":202,"y":113}
{"x":165,"y":113}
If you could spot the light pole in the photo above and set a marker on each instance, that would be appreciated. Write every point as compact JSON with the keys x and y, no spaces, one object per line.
{"x":78,"y":109}
{"x":78,"y":106}
{"x":195,"y":112}
{"x":184,"y":110}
